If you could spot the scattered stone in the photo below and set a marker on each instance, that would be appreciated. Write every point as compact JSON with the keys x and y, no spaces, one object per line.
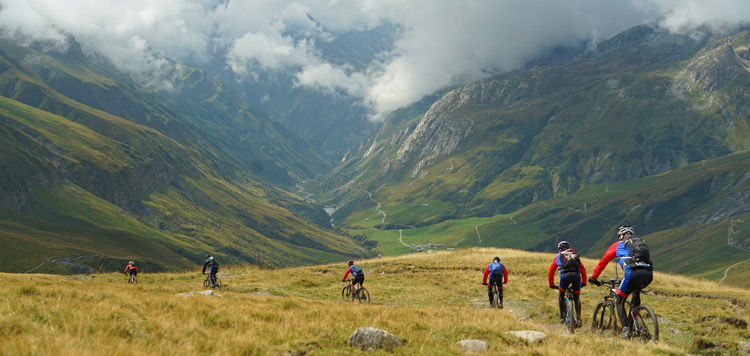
{"x":737,"y":323}
{"x":745,"y":345}
{"x":473,"y":346}
{"x":369,"y":338}
{"x":203,"y":292}
{"x":703,"y":344}
{"x":529,"y":335}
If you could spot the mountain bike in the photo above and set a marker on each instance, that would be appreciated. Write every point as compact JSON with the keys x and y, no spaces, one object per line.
{"x":133,"y":279}
{"x":362,"y":294}
{"x":571,"y":321}
{"x":215,"y":283}
{"x":642,"y":322}
{"x":496,"y":303}
{"x":571,"y":318}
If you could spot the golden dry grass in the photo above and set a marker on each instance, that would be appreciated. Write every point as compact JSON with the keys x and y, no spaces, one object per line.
{"x":429,"y":300}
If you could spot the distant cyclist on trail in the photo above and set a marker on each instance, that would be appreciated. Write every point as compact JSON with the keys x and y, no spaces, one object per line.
{"x":498,"y":276}
{"x":634,"y":258}
{"x":357,"y":274}
{"x":213,"y":268}
{"x":132,"y":268}
{"x":572,"y":276}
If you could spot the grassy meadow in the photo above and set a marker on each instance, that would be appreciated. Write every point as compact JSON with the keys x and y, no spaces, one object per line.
{"x":431,"y":301}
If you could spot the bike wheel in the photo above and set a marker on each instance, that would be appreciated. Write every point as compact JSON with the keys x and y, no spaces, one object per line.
{"x":206,"y":283}
{"x":603,"y":317}
{"x":645,"y":324}
{"x":570,"y":320}
{"x":218,"y":283}
{"x":346,"y":294}
{"x":363,"y":295}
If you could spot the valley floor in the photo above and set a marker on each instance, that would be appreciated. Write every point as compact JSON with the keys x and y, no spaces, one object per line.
{"x":430,"y":301}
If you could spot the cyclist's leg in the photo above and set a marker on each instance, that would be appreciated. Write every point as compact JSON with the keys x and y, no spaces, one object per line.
{"x":561,"y":296}
{"x":489,"y":291}
{"x":359,"y":279}
{"x":500,"y":292}
{"x":576,"y":286}
{"x":623,"y":292}
{"x":639,"y":279}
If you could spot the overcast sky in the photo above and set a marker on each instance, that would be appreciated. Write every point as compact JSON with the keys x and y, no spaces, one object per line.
{"x":443,"y":43}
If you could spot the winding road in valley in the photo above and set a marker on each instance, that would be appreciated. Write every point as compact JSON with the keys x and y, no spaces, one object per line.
{"x":476,"y":228}
{"x":731,"y":232}
{"x":302,"y":191}
{"x":377,"y":207}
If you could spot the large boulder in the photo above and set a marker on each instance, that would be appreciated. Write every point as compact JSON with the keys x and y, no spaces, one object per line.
{"x":369,"y":338}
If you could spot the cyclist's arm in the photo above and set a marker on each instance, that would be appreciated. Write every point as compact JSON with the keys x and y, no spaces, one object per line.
{"x":346,"y":274}
{"x":583,"y":273}
{"x":126,"y":269}
{"x":551,"y":273}
{"x":505,"y":275}
{"x":608,"y":256}
{"x":486,"y":273}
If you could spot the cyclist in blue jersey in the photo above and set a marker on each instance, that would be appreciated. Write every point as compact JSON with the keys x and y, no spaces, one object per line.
{"x":357,"y":274}
{"x":498,"y":276}
{"x":213,"y":268}
{"x":637,"y":272}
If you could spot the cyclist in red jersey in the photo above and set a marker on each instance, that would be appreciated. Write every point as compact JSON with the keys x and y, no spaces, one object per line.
{"x":572,"y":276}
{"x":498,"y":275}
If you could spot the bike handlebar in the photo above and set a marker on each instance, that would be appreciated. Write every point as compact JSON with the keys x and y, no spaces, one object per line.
{"x":611,"y":283}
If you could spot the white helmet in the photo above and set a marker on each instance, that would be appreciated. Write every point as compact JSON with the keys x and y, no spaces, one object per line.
{"x":625,"y":229}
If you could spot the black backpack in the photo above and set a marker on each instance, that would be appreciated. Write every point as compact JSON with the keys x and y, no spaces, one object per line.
{"x":569,"y":261}
{"x":639,"y":253}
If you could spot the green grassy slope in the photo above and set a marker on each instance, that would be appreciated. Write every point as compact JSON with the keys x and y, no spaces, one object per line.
{"x":430,"y":301}
{"x":665,"y":209}
{"x":83,"y":184}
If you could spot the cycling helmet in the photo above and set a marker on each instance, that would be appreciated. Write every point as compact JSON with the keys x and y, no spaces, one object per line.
{"x":563,"y":245}
{"x":351,"y":262}
{"x":496,"y":259}
{"x":131,"y":262}
{"x":208,"y":256}
{"x":625,"y":229}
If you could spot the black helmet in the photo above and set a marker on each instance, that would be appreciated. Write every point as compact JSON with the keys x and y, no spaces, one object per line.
{"x":496,"y":259}
{"x":563,"y":245}
{"x":351,"y":262}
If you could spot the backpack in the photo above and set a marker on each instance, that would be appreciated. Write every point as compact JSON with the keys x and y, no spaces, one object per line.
{"x":639,"y":253}
{"x":498,"y":270}
{"x":569,"y":261}
{"x":357,"y":269}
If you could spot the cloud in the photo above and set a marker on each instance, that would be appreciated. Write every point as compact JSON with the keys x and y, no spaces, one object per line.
{"x":443,"y":43}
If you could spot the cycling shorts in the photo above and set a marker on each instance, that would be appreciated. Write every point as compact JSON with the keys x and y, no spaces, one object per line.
{"x":360,"y":278}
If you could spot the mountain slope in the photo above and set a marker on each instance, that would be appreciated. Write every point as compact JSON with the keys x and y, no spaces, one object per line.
{"x":644,"y":103}
{"x":151,"y":184}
